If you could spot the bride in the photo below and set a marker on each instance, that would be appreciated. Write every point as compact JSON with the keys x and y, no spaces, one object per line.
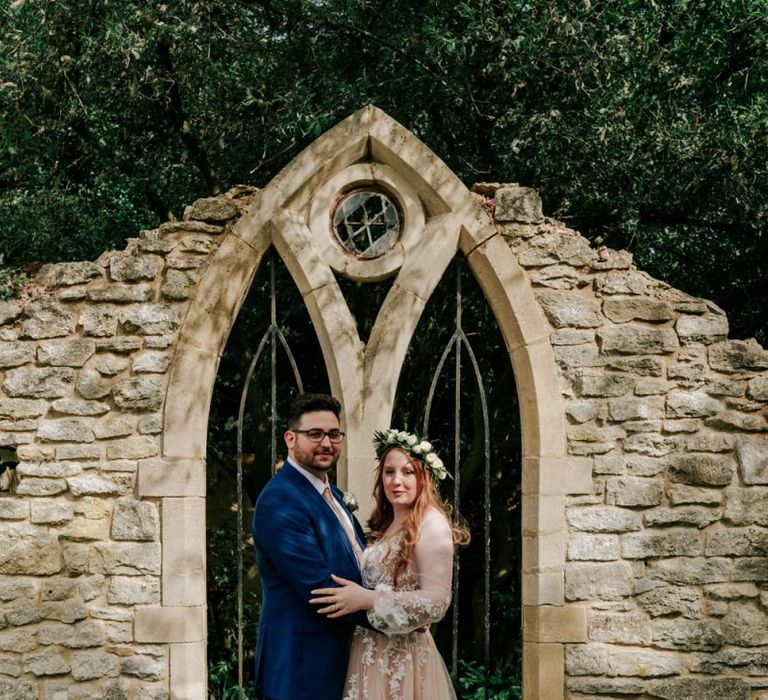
{"x":406,"y":573}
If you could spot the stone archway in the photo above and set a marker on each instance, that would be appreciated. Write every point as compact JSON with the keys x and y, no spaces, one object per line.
{"x":284,"y":215}
{"x":645,"y":437}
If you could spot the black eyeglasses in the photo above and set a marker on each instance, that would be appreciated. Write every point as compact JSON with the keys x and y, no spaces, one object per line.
{"x":317,"y":435}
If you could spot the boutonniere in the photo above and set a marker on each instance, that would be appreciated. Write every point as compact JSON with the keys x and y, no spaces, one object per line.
{"x":350,"y":501}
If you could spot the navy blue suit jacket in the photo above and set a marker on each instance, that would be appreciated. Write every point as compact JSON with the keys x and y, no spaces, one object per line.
{"x":300,"y":654}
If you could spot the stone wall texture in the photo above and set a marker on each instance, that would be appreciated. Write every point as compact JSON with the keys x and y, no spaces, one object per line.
{"x":667,"y":556}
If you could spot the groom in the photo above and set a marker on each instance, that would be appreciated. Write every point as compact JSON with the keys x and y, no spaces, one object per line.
{"x":303,"y":535}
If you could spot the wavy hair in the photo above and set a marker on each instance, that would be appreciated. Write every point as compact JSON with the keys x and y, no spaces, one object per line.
{"x":426,"y":496}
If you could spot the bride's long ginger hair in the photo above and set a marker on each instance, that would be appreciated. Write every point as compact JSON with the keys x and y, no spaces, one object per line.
{"x":426,"y":497}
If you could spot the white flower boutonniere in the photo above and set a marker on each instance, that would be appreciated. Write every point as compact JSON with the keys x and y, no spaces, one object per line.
{"x":351,"y":502}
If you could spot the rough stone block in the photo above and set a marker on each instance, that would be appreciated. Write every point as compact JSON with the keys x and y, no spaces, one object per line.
{"x":650,"y":544}
{"x":42,"y":383}
{"x":671,"y":600}
{"x":109,"y":365}
{"x":92,"y":485}
{"x":66,"y":353}
{"x":51,"y":511}
{"x":125,"y":558}
{"x":16,"y":353}
{"x":28,"y":551}
{"x":640,"y":309}
{"x":603,"y":519}
{"x":702,"y":329}
{"x":151,"y":361}
{"x":9,"y":311}
{"x":138,"y":447}
{"x":725,"y":661}
{"x":80,"y":635}
{"x":17,"y":689}
{"x":690,"y":571}
{"x":620,"y":628}
{"x":643,"y":664}
{"x":89,"y":665}
{"x":610,"y":581}
{"x":752,"y":454}
{"x":586,"y":660}
{"x":40,"y":487}
{"x":701,"y":689}
{"x":633,"y":339}
{"x":593,"y":548}
{"x":133,"y":590}
{"x":566,"y":247}
{"x":747,"y":506}
{"x":702,"y":470}
{"x":91,"y":385}
{"x":737,"y":356}
{"x":119,"y":293}
{"x":127,"y":267}
{"x":745,"y":625}
{"x":633,"y":491}
{"x":150,"y":319}
{"x":602,"y":384}
{"x":139,"y":394}
{"x":691,"y":404}
{"x":147,"y":668}
{"x":134,"y":520}
{"x":687,"y":635}
{"x":568,"y":310}
{"x":67,"y":273}
{"x":45,"y":663}
{"x":516,"y":203}
{"x":631,"y":408}
{"x":650,"y":444}
{"x":698,"y":517}
{"x":63,"y":611}
{"x":80,"y":407}
{"x":46,"y":318}
{"x":99,"y":321}
{"x":758,"y":389}
{"x":13,"y":509}
{"x":66,"y":430}
{"x":605,"y":687}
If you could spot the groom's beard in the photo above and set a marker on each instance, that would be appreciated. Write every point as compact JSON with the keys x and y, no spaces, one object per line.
{"x":322,"y":458}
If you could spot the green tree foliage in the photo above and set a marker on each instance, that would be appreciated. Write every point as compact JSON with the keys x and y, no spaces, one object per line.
{"x":643,"y":124}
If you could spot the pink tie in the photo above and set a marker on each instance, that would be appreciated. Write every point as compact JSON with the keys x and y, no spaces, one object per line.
{"x":328,"y":496}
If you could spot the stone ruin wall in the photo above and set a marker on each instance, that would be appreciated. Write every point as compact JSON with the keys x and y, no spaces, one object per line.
{"x":666,"y":556}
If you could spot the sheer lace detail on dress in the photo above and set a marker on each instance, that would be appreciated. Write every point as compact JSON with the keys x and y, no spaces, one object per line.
{"x":404,"y":663}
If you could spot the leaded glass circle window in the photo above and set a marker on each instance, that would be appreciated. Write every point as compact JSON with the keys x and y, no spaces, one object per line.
{"x":367,"y":223}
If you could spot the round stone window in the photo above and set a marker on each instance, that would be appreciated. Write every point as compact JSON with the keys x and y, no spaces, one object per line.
{"x":367,"y":223}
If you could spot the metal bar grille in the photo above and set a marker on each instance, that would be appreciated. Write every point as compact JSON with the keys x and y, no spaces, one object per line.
{"x":457,"y":342}
{"x":271,"y":335}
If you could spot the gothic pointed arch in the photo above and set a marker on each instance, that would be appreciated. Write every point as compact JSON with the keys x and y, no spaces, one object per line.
{"x":439,"y":217}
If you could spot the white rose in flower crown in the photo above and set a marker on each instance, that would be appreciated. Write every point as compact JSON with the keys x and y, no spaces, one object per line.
{"x":417,"y":449}
{"x":441,"y":474}
{"x":438,"y":465}
{"x":425,"y":446}
{"x":431,"y":458}
{"x":402,"y":435}
{"x":411,"y":440}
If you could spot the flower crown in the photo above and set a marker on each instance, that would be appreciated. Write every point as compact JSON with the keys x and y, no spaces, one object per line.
{"x":413,"y":445}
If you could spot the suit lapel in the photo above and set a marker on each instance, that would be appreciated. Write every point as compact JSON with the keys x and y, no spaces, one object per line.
{"x":321,"y":509}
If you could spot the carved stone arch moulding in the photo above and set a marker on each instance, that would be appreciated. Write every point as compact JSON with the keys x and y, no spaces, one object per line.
{"x":439,"y":217}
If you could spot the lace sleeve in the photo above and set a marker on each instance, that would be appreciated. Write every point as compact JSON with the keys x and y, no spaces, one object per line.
{"x":400,"y":612}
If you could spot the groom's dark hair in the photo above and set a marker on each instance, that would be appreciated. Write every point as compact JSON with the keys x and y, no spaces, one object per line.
{"x":307,"y":403}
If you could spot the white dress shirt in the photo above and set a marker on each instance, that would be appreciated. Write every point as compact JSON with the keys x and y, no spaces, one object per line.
{"x":320,"y":485}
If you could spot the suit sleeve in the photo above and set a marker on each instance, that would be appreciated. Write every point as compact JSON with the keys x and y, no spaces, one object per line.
{"x":287,"y":536}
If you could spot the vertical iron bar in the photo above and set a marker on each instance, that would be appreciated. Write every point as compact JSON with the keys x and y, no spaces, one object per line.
{"x":273,"y":361}
{"x":457,"y":473}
